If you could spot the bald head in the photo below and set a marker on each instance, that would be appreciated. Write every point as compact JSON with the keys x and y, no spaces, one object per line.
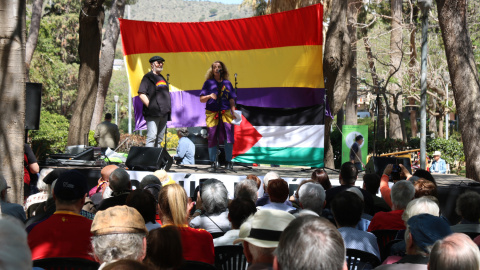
{"x":107,"y":170}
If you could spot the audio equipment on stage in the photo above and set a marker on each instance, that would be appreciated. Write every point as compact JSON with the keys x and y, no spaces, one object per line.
{"x":377,"y":164}
{"x":148,"y":159}
{"x":33,"y":103}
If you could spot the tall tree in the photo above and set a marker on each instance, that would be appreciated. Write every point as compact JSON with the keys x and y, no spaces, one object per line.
{"x":107,"y":57}
{"x":37,"y":7}
{"x":464,"y":77}
{"x":396,"y":45}
{"x":12,"y":93}
{"x":91,"y":22}
{"x":337,"y":63}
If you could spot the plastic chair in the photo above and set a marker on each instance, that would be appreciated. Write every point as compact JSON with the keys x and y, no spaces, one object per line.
{"x":66,"y":264}
{"x":230,"y":258}
{"x":193,"y":265}
{"x":383,"y":238}
{"x":358,"y":260}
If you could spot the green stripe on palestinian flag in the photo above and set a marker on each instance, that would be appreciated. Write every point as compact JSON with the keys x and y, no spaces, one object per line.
{"x":280,"y":136}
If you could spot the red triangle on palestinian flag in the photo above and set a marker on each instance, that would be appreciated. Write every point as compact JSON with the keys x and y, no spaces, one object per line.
{"x":246,"y":136}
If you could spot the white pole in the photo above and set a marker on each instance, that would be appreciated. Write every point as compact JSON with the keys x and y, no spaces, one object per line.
{"x":116,"y":108}
{"x":129,"y":89}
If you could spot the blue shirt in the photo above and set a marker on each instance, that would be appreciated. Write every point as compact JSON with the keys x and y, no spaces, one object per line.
{"x":186,"y":150}
{"x":356,"y":239}
{"x":438,"y":166}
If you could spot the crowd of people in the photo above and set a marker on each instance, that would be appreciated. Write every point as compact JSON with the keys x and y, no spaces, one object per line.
{"x":155,"y":225}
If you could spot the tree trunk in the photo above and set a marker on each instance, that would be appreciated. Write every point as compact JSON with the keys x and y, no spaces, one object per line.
{"x":440,"y":126}
{"x":336,"y":67}
{"x":413,"y":118}
{"x":464,"y":78}
{"x":340,"y":118}
{"x":395,"y":129}
{"x":12,"y":94}
{"x":91,"y":20}
{"x":106,"y":59}
{"x":373,"y":71}
{"x":413,"y":62}
{"x":37,"y":8}
{"x":351,"y":102}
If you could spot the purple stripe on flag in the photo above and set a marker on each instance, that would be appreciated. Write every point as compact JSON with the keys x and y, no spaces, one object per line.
{"x":188,"y":111}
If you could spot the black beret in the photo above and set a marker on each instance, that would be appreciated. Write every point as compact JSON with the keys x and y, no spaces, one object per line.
{"x":156,"y":58}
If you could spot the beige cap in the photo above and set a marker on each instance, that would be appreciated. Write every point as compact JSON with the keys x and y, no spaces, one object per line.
{"x":118,"y":219}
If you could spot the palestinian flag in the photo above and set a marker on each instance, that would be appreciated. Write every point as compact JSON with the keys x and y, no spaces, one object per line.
{"x":280,"y":136}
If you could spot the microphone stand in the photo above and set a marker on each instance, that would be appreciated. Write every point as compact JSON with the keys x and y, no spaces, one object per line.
{"x":165,"y":133}
{"x":216,"y":164}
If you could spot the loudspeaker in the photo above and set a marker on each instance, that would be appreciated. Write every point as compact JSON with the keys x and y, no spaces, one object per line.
{"x":33,"y":103}
{"x":198,"y":135}
{"x":148,"y":159}
{"x":377,"y":164}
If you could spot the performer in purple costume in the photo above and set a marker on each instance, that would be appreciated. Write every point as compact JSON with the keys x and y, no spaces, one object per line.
{"x":218,"y":93}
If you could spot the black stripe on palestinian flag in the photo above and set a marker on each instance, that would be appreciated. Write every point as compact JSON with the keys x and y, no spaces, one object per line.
{"x":259,"y":116}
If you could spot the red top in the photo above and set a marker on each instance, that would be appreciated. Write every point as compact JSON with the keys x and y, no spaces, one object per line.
{"x":385,"y":190}
{"x":64,"y":234}
{"x":197,"y":245}
{"x":387,"y":221}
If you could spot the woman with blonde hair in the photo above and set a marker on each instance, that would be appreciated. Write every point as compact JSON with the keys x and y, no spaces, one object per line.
{"x":174,"y":208}
{"x":219,"y":96}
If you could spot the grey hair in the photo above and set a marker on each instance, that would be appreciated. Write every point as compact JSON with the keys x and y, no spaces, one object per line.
{"x":270,"y":176}
{"x":456,"y":251}
{"x":120,"y":180}
{"x":14,"y":250}
{"x":312,"y":197}
{"x":468,"y":206}
{"x":402,"y":193}
{"x":111,"y":247}
{"x":214,"y":196}
{"x":42,"y":186}
{"x":246,"y":189}
{"x":259,"y":252}
{"x":149,"y":179}
{"x":311,"y":242}
{"x":419,"y":206}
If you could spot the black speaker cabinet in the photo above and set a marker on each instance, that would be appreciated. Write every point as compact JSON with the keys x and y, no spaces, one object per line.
{"x":377,"y":164}
{"x":198,"y":135}
{"x":148,"y":159}
{"x":33,"y":103}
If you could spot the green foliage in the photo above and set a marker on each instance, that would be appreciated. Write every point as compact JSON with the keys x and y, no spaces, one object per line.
{"x":451,"y":149}
{"x":172,"y":139}
{"x":52,"y":136}
{"x":202,"y":18}
{"x":91,"y":138}
{"x":213,"y":12}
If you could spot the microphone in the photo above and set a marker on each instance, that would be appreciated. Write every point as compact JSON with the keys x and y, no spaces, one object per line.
{"x":235,"y":75}
{"x":220,"y":71}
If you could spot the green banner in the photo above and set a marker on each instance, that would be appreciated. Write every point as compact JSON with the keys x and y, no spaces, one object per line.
{"x":348,"y":139}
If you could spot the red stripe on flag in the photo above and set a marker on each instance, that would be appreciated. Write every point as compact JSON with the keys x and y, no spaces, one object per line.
{"x":298,"y":27}
{"x":245,"y":136}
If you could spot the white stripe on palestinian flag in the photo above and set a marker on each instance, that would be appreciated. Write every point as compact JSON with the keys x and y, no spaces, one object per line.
{"x":310,"y":136}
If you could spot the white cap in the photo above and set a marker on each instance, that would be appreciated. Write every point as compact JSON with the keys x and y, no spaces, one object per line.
{"x":437,"y":153}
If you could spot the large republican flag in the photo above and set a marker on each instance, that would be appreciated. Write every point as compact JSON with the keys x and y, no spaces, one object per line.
{"x":277,"y":59}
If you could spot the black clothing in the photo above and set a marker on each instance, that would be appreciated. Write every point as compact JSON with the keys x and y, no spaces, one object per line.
{"x":155,"y":87}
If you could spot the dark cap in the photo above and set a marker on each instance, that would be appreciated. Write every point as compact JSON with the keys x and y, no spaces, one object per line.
{"x":156,"y":58}
{"x":53,"y":175}
{"x":71,"y":185}
{"x":426,"y":229}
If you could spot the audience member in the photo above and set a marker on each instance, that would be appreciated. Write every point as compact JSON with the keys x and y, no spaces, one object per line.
{"x":107,"y":133}
{"x":294,"y":199}
{"x":421,"y":233}
{"x":119,"y":182}
{"x":320,"y":176}
{"x":119,"y":232}
{"x":65,"y":233}
{"x":185,"y":149}
{"x":265,"y":197}
{"x":12,"y":209}
{"x":456,"y":251}
{"x":30,"y":170}
{"x":402,"y":193}
{"x":266,"y":227}
{"x":102,"y":182}
{"x":421,"y":173}
{"x":278,"y":192}
{"x":371,"y":183}
{"x":347,"y":209}
{"x":365,"y":218}
{"x":126,"y":264}
{"x":197,"y":243}
{"x":152,"y":184}
{"x":424,"y":187}
{"x":256,"y":179}
{"x":164,"y":248}
{"x":246,"y":189}
{"x":311,"y":198}
{"x":348,"y":176}
{"x":238,"y":211}
{"x":144,"y":202}
{"x":34,"y":200}
{"x":438,"y":165}
{"x":14,"y":251}
{"x":164,"y":178}
{"x":468,"y":207}
{"x":310,"y":242}
{"x":214,"y":199}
